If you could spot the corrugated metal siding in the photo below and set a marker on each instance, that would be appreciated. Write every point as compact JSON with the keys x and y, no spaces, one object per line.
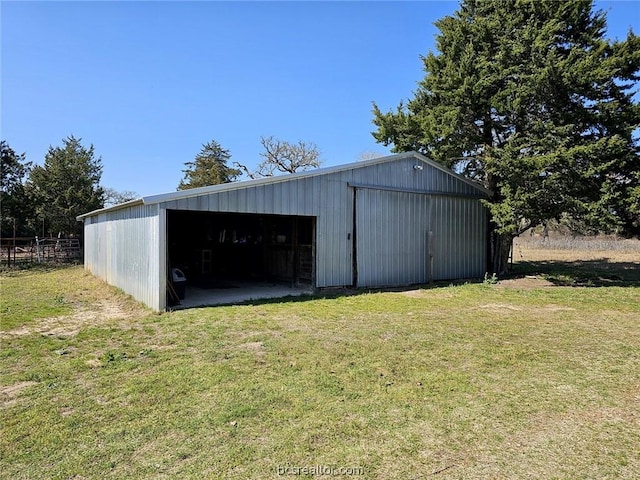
{"x":392,"y":232}
{"x":330,"y":199}
{"x":123,"y":247}
{"x":459,"y":227}
{"x":127,"y":246}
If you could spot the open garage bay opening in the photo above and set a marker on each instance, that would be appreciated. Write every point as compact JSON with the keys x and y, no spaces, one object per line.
{"x":231,"y":257}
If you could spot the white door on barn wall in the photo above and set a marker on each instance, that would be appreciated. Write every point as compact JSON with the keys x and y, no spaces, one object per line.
{"x":392,"y":235}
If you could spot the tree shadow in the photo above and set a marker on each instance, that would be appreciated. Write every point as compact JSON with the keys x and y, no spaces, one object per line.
{"x":32,"y":268}
{"x":600,"y":272}
{"x":335,"y":293}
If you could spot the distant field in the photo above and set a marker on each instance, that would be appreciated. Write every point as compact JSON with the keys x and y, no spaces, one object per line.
{"x":537,"y":376}
{"x":582,"y":261}
{"x":577,"y":247}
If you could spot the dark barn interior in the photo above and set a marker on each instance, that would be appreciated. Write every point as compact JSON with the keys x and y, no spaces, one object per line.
{"x":215,"y":249}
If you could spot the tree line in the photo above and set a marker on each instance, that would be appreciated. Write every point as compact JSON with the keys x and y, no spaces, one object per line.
{"x":46,"y":199}
{"x":526,"y":97}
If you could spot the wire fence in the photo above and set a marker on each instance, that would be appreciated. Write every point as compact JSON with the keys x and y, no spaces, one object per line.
{"x":23,"y":251}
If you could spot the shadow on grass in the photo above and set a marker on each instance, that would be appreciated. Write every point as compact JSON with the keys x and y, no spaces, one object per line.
{"x":336,"y":292}
{"x":586,"y":273}
{"x":25,"y":269}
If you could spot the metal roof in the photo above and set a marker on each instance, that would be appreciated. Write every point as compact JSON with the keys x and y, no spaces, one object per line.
{"x":194,"y":192}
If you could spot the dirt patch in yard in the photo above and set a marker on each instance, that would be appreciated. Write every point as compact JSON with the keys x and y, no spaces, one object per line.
{"x":102,"y":312}
{"x":9,"y":394}
{"x":418,"y":293}
{"x":500,"y":307}
{"x":257,"y":347}
{"x":508,"y":308}
{"x":529,"y":282}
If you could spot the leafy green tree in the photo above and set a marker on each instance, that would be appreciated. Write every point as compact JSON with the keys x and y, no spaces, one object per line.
{"x":15,"y":206}
{"x":529,"y":98}
{"x":67,"y":185}
{"x":281,"y":157}
{"x":208,"y":168}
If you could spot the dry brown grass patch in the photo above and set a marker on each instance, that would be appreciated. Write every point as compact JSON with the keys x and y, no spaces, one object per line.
{"x":525,"y":283}
{"x":9,"y":394}
{"x":85,"y":315}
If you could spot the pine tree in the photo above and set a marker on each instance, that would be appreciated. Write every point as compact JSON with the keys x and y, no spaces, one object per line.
{"x":529,"y":98}
{"x":208,"y":168}
{"x":67,"y":185}
{"x":15,"y":206}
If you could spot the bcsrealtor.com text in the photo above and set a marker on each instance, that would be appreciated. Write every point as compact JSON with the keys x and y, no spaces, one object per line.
{"x":328,"y":470}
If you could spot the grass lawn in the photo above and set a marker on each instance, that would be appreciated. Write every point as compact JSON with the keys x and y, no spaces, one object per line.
{"x":532,"y":377}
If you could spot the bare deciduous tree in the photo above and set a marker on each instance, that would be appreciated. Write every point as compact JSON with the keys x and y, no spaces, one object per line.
{"x":283,"y":157}
{"x":368,"y":155}
{"x":114,"y":197}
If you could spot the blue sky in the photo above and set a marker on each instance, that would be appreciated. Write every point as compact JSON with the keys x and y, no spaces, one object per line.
{"x":147,"y":83}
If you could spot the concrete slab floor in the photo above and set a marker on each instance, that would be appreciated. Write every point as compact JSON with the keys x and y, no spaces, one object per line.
{"x":236,"y":293}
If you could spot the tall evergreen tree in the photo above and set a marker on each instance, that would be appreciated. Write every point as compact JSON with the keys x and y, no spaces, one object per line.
{"x":529,"y":98}
{"x":208,"y":168}
{"x":67,"y":185}
{"x":15,"y":206}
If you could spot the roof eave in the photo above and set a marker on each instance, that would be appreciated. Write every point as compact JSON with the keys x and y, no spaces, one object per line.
{"x":130,"y":203}
{"x":181,"y":194}
{"x":464,"y":179}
